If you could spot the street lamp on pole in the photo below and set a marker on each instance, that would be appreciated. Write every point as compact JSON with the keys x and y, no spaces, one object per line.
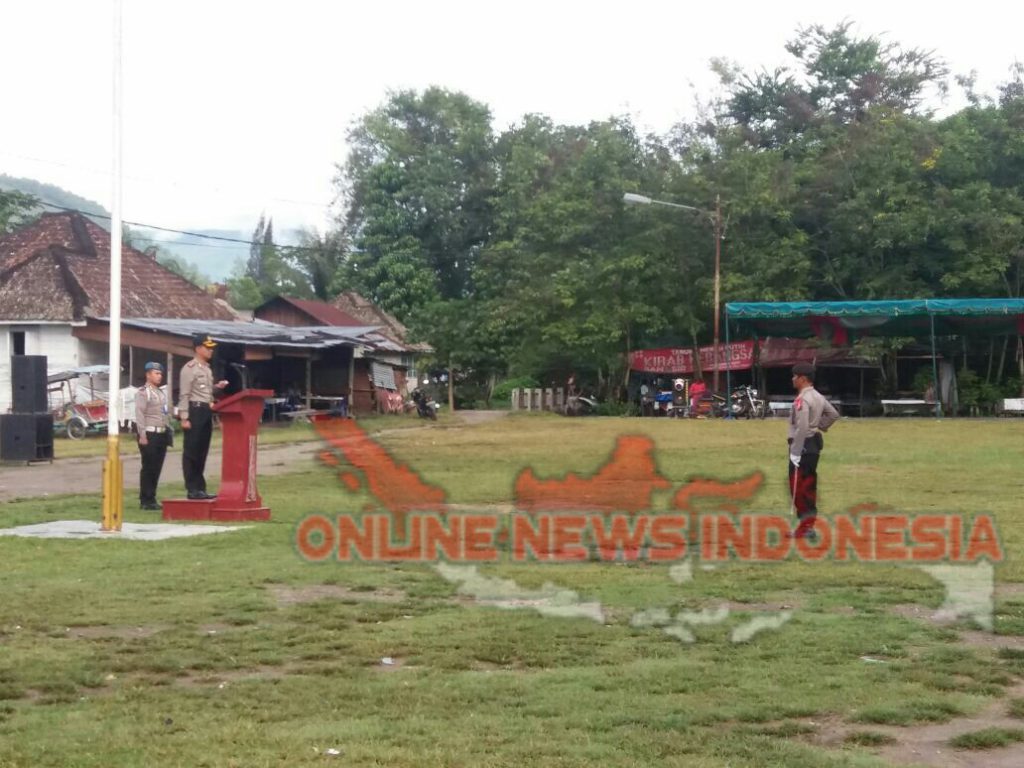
{"x":631,"y":198}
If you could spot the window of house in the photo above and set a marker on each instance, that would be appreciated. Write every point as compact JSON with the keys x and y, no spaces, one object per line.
{"x":17,"y":342}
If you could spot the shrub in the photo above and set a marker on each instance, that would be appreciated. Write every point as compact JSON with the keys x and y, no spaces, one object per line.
{"x":503,"y":392}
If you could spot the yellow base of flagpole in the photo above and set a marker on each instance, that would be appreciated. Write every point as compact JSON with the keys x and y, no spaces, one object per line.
{"x":113,"y":487}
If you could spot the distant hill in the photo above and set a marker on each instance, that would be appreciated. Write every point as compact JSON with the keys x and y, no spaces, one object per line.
{"x":215,"y":259}
{"x":48,"y":193}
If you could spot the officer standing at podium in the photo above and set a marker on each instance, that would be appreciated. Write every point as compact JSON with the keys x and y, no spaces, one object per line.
{"x":152,"y":420}
{"x":195,"y":398}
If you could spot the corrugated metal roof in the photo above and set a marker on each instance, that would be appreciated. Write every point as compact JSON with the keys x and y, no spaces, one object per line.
{"x":266,"y":334}
{"x":368,"y":335}
{"x":320,"y":311}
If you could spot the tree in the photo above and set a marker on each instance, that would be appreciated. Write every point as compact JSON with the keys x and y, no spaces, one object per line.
{"x":179,"y":266}
{"x":243,"y":291}
{"x":16,"y":208}
{"x":840,"y":79}
{"x":268,"y":271}
{"x":319,"y":258}
{"x":417,"y":187}
{"x":824,"y":170}
{"x":979,"y":194}
{"x":261,"y":250}
{"x":574,"y":280}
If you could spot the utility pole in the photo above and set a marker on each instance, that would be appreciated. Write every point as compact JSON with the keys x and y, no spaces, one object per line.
{"x":632,"y":198}
{"x":718,"y":281}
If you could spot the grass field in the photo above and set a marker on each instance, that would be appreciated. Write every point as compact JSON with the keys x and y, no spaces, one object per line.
{"x":231,"y":650}
{"x":273,"y":434}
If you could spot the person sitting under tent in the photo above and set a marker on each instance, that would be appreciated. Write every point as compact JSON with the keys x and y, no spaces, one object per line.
{"x":697,"y":392}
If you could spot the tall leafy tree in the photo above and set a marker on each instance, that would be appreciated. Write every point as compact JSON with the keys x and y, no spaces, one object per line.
{"x":318,"y":258}
{"x":824,"y":167}
{"x":573,"y":278}
{"x":836,"y":80}
{"x":268,"y":272}
{"x":417,"y":186}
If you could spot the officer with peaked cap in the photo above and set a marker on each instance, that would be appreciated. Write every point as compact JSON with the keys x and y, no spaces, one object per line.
{"x":196,"y":394}
{"x":152,"y":421}
{"x":812,"y":415}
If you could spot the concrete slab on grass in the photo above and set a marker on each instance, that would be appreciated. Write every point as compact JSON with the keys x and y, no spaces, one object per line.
{"x":90,"y":529}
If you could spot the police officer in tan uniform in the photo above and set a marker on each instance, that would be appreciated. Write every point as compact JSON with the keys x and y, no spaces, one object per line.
{"x":812,"y":415}
{"x":153,"y":423}
{"x":196,"y":394}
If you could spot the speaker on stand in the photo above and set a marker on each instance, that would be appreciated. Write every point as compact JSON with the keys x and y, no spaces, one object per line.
{"x":28,"y":384}
{"x":44,"y":436}
{"x":17,"y":437}
{"x":27,"y":434}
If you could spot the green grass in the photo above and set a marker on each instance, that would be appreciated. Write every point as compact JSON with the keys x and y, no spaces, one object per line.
{"x":196,"y":652}
{"x":270,"y":434}
{"x":988,"y":738}
{"x":869,"y":739}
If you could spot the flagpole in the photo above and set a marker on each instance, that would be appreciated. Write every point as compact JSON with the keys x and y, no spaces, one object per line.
{"x":113,"y":471}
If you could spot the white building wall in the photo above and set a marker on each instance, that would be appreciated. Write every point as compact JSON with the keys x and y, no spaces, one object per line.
{"x":55,"y":341}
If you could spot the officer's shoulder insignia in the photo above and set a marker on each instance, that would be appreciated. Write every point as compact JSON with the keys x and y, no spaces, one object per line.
{"x":190,"y":364}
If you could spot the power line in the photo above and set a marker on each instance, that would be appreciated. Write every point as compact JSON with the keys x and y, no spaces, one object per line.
{"x":178,"y":231}
{"x":172,"y":244}
{"x":171,"y":182}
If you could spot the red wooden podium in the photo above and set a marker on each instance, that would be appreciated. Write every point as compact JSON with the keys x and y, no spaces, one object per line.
{"x":237,"y":498}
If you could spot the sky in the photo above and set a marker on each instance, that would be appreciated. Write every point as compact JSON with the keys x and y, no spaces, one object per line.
{"x":231,"y":108}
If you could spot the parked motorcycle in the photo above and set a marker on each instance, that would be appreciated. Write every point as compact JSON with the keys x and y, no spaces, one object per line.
{"x":679,"y":407}
{"x":426,"y":408}
{"x":746,"y":403}
{"x":581,"y":405}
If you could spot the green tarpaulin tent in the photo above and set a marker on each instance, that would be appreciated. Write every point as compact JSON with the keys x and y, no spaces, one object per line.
{"x":912,"y":317}
{"x":842,"y":321}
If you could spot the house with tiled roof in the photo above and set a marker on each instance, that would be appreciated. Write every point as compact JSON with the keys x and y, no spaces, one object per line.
{"x":55,"y":279}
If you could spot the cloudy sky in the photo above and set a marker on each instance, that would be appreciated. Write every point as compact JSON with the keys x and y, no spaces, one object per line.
{"x":233,"y":108}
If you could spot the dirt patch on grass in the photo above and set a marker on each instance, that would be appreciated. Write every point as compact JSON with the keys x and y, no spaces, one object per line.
{"x":929,"y":745}
{"x":737,"y":607}
{"x":288,"y":595}
{"x":973,"y":639}
{"x":969,"y":638}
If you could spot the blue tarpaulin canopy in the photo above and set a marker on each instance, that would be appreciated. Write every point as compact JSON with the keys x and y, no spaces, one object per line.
{"x":840,"y":322}
{"x":911,"y":317}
